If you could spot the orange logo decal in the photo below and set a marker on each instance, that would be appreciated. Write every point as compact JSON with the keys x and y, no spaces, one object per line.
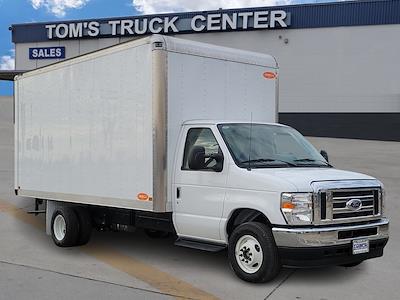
{"x":143,"y":197}
{"x":269,"y":75}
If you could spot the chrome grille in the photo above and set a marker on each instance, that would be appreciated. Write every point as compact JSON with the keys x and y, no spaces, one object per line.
{"x":332,"y":205}
{"x":341,"y":211}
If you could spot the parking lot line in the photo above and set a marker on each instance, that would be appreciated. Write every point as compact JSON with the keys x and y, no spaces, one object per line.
{"x":158,"y":279}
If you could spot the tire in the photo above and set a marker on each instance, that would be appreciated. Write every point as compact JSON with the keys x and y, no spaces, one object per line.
{"x":353,"y":264}
{"x":156,"y":234}
{"x":253,"y":254}
{"x":64,"y":227}
{"x":85,"y":225}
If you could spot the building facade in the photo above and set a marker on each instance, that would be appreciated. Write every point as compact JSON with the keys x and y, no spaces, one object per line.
{"x":339,"y":62}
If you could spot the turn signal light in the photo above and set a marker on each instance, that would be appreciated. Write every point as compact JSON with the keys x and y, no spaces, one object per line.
{"x":288,"y":205}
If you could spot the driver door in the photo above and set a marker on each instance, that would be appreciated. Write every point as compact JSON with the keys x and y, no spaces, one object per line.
{"x":200,"y":180}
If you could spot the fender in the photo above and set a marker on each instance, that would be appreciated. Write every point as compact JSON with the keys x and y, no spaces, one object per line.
{"x":244,"y":215}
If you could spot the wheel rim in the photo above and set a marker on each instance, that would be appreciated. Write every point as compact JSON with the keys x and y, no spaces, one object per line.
{"x":59,"y":227}
{"x":249,"y":254}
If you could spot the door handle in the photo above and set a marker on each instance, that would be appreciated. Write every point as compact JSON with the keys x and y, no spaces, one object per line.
{"x":178,"y":193}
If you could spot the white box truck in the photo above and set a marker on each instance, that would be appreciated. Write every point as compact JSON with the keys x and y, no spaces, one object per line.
{"x":177,"y":136}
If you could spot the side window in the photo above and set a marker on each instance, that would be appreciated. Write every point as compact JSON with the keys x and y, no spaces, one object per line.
{"x":202,"y":151}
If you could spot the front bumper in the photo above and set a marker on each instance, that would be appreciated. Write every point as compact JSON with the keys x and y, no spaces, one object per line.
{"x":318,"y":246}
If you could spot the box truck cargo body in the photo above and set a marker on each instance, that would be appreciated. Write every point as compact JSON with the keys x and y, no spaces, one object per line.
{"x":103,"y":128}
{"x":180,"y":137}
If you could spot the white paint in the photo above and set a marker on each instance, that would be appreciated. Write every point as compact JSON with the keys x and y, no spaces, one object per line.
{"x":198,"y":211}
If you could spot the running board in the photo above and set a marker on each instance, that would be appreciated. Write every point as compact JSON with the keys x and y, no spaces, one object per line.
{"x":36,"y":212}
{"x":200,"y":245}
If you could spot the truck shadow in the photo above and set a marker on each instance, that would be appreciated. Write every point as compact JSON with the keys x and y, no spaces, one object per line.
{"x":162,"y":252}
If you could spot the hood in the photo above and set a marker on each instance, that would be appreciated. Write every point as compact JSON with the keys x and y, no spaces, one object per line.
{"x":301,"y":178}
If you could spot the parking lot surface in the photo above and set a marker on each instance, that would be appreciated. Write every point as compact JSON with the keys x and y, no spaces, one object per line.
{"x":132,"y":265}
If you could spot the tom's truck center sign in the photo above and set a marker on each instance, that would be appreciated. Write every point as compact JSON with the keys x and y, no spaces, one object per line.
{"x":212,"y":21}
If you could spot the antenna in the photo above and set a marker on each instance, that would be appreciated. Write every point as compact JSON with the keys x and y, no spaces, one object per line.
{"x":251,"y":131}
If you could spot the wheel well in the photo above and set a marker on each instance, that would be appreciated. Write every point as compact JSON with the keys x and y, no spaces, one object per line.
{"x":243,"y":215}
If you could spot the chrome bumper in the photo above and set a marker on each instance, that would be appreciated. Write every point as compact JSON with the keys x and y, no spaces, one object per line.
{"x":327,"y":236}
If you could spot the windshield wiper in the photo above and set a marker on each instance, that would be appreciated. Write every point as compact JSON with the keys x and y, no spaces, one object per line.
{"x":313,"y":160}
{"x":261,"y":160}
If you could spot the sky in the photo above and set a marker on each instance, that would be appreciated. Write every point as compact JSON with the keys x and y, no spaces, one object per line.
{"x":27,"y":11}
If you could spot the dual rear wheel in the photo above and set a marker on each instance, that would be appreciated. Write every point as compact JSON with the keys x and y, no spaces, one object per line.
{"x":71,"y":226}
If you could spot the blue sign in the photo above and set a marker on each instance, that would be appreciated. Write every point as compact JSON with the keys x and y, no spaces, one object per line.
{"x":47,"y":53}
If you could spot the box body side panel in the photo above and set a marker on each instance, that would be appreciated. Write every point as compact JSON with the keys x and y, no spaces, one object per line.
{"x":85,"y":129}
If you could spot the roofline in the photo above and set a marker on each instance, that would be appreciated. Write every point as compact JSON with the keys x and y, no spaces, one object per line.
{"x":238,"y":9}
{"x":297,"y":16}
{"x":9,"y":75}
{"x":219,"y":122}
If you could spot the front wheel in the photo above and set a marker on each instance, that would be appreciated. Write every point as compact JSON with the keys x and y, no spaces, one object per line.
{"x":252,"y":252}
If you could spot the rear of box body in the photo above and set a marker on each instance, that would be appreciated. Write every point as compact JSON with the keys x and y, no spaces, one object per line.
{"x":103,"y":128}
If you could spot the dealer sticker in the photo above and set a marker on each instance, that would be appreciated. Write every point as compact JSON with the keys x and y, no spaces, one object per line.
{"x":360,"y":246}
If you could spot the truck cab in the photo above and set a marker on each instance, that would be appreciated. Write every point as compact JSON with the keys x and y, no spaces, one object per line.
{"x":263,"y":191}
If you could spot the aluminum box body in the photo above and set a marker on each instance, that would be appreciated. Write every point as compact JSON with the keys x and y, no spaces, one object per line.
{"x":102,"y":128}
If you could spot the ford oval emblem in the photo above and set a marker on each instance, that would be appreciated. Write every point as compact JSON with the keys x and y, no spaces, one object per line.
{"x":354,"y":204}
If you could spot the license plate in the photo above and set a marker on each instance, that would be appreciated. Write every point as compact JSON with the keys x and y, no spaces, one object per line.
{"x":360,"y":246}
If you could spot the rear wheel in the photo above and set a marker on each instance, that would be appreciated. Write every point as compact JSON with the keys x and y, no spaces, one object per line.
{"x":85,"y":225}
{"x":64,"y":227}
{"x":252,"y":252}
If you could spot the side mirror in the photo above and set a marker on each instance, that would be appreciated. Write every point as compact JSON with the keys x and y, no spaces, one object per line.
{"x":325,"y":155}
{"x":219,"y":158}
{"x":197,"y":158}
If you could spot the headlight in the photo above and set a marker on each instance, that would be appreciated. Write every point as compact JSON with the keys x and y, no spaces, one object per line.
{"x":297,"y":208}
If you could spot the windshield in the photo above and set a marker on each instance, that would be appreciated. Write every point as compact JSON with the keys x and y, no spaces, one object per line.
{"x":271,"y":146}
